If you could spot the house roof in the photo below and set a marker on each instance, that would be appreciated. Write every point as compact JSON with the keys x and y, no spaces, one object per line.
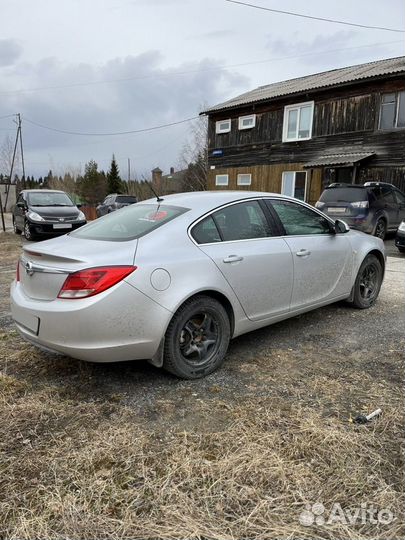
{"x":330,"y":160}
{"x":335,"y":77}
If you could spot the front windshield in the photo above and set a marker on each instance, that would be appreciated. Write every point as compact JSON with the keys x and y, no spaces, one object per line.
{"x":129,"y":223}
{"x":49,"y":198}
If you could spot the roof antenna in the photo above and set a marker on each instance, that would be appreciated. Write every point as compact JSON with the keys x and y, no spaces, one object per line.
{"x":158,"y":199}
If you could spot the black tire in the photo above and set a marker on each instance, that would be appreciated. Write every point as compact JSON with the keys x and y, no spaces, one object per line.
{"x":15,"y":228}
{"x":187,"y":353}
{"x":29,"y":235}
{"x":401,"y":249}
{"x":380,"y":229}
{"x":368,"y":283}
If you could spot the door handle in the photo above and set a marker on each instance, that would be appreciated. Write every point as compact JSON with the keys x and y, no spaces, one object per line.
{"x":232,"y":258}
{"x":303,"y":253}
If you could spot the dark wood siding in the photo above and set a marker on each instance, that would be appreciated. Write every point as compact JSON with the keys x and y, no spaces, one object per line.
{"x":345,"y":120}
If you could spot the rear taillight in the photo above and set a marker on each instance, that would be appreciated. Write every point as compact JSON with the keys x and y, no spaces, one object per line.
{"x":17,"y":275}
{"x":360,"y":204}
{"x":91,"y":281}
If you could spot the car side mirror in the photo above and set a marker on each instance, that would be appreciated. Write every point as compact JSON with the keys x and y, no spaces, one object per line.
{"x":341,"y":226}
{"x":21,"y":204}
{"x":79,"y":205}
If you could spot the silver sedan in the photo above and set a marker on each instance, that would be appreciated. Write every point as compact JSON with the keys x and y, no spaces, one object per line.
{"x":173,"y":280}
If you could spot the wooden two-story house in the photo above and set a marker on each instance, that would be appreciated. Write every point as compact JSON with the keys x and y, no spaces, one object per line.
{"x":297,"y":136}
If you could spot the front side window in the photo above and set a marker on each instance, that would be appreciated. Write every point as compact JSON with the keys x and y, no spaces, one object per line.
{"x":242,"y":221}
{"x":129,"y":223}
{"x":392,"y":110}
{"x":247,"y":122}
{"x":299,"y":220}
{"x":298,"y":121}
{"x":294,"y":184}
{"x":223,"y":126}
{"x":221,"y":180}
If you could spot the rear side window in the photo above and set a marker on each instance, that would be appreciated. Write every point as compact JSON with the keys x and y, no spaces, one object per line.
{"x":129,"y":223}
{"x":242,"y":221}
{"x":206,"y":232}
{"x":344,"y":194}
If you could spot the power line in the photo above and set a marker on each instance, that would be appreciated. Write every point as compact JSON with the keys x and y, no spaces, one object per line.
{"x":111,"y":134}
{"x":186,"y":72}
{"x":316,"y":18}
{"x":7,"y":116}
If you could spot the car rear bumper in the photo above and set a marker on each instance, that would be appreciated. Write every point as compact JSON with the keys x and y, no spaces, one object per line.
{"x":117,"y":325}
{"x":360,"y":223}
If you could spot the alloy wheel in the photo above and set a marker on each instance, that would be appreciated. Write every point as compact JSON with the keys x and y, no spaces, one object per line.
{"x":199,"y":339}
{"x":369,"y":281}
{"x":380,"y":229}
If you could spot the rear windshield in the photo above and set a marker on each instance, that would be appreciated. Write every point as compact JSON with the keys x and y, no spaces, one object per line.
{"x":344,"y":194}
{"x":129,"y":223}
{"x":125,"y":199}
{"x":48,"y":198}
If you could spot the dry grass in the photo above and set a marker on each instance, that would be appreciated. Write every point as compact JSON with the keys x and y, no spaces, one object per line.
{"x":77,"y":469}
{"x":84,"y":461}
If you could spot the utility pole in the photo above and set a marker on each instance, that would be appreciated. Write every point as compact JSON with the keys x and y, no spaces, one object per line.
{"x":2,"y":215}
{"x":129,"y":169}
{"x":18,"y":136}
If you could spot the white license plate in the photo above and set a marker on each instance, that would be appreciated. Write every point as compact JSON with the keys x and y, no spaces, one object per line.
{"x":336,"y":210}
{"x":62,"y":226}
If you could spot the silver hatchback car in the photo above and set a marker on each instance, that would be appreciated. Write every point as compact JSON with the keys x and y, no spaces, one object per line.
{"x":173,"y":280}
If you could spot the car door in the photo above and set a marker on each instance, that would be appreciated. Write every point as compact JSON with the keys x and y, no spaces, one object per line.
{"x":19,"y":212}
{"x":400,"y":197}
{"x":242,"y":242}
{"x":322,"y":260}
{"x":390,"y":206}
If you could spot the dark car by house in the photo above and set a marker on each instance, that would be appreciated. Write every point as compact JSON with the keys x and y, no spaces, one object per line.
{"x":45,"y":212}
{"x":374,"y":208}
{"x":114,"y":201}
{"x":400,"y":237}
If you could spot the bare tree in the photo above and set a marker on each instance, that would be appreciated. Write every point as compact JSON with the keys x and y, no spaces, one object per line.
{"x":194,"y":156}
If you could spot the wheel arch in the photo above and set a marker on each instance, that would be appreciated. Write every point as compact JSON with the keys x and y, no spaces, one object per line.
{"x":157,"y":359}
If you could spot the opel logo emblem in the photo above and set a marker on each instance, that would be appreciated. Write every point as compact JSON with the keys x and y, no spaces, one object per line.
{"x":28,"y":268}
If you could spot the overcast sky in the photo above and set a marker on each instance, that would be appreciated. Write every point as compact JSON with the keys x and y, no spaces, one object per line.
{"x":118,"y":65}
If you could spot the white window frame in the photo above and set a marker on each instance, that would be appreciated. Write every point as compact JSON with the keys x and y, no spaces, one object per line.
{"x":297,"y":106}
{"x":305,"y":188}
{"x":218,"y":126}
{"x":240,"y":183}
{"x":218,"y":182}
{"x":242,"y":118}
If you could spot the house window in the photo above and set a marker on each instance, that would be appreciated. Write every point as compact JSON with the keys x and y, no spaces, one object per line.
{"x":223,"y":126}
{"x":247,"y":122}
{"x":392,"y":111}
{"x":298,"y":121}
{"x":221,"y":180}
{"x":294,"y":184}
{"x":244,"y":179}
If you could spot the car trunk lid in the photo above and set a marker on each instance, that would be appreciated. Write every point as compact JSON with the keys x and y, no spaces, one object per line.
{"x":45,"y":266}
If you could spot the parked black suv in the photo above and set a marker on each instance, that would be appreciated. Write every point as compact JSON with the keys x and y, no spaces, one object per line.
{"x":115,"y":201}
{"x":45,"y":212}
{"x":374,"y":208}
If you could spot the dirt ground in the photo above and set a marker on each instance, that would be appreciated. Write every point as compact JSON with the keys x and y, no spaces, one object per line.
{"x":126,"y":451}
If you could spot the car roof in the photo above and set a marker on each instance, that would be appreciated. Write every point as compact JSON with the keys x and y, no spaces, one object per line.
{"x":207,"y":200}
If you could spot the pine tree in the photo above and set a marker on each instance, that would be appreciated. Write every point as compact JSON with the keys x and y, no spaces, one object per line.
{"x":93,"y":185}
{"x":114,"y":181}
